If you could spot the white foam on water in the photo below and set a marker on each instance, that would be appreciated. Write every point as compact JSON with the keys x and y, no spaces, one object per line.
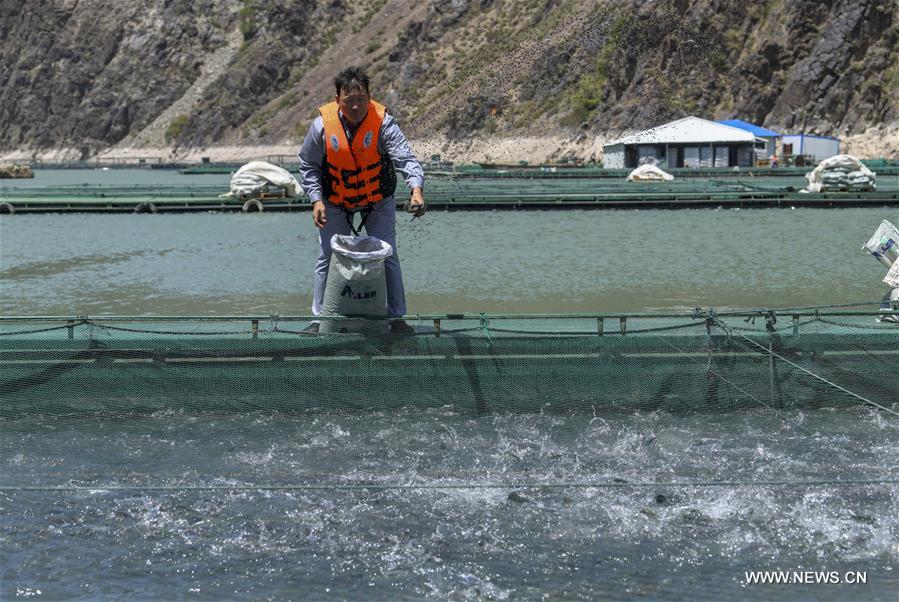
{"x":420,"y":541}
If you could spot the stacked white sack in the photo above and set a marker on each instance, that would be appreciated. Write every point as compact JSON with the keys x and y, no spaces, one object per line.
{"x":649,"y":173}
{"x":841,"y":172}
{"x":258,"y":176}
{"x":892,"y":277}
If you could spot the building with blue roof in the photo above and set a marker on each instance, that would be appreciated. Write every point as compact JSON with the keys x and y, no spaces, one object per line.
{"x":686,"y":142}
{"x":770,"y":137}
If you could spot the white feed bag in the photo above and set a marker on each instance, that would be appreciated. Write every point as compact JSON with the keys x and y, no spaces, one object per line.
{"x":884,"y":245}
{"x":357,"y":283}
{"x":892,"y":277}
{"x":649,"y":173}
{"x":256,"y":175}
{"x":839,"y":171}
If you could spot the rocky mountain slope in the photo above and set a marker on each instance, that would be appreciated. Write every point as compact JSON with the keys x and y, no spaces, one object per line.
{"x":88,"y":75}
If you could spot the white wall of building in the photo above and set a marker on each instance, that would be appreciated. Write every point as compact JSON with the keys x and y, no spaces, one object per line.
{"x":695,"y":136}
{"x":818,"y":147}
{"x":613,"y":156}
{"x":770,"y":146}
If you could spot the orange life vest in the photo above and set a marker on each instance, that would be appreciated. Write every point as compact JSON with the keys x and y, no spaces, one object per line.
{"x":355,"y":175}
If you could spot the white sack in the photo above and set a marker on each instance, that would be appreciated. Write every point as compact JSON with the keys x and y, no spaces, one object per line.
{"x":832,"y":173}
{"x":892,"y":277}
{"x":255,"y":175}
{"x":890,"y":302}
{"x":649,"y":173}
{"x":357,"y":282}
{"x":884,"y":244}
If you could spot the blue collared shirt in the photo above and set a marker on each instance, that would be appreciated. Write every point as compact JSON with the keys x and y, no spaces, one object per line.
{"x":391,"y":142}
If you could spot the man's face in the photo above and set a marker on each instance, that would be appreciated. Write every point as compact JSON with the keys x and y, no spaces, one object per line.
{"x":353,"y":104}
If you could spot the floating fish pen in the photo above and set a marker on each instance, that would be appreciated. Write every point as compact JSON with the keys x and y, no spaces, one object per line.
{"x":465,"y":193}
{"x":700,"y":361}
{"x":590,"y":172}
{"x":474,"y":193}
{"x":113,"y":199}
{"x":554,"y":172}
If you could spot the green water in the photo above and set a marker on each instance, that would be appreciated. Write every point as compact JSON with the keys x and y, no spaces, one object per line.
{"x":535,"y":261}
{"x":132,"y":520}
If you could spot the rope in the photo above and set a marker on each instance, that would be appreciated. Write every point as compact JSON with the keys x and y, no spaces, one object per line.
{"x":350,"y":218}
{"x":698,"y":312}
{"x":594,"y":333}
{"x":444,"y":331}
{"x":485,"y":327}
{"x":463,"y":486}
{"x":172,"y":332}
{"x":36,"y":330}
{"x":785,"y":310}
{"x":300,"y":332}
{"x":737,"y":387}
{"x":858,"y":326}
{"x":481,"y":328}
{"x":812,"y":374}
{"x":780,"y":329}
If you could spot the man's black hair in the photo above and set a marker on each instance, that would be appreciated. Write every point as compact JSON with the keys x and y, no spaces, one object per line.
{"x":351,"y":78}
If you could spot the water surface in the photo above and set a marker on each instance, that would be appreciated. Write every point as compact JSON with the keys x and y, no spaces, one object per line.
{"x":451,"y":510}
{"x":182,"y":506}
{"x":498,"y":261}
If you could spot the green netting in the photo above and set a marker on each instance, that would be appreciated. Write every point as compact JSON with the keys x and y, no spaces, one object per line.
{"x":223,"y":451}
{"x":456,"y":191}
{"x":702,"y":362}
{"x":882,"y":166}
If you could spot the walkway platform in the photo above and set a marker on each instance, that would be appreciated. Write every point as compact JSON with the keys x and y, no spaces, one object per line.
{"x":466,"y":193}
{"x":602,"y":363}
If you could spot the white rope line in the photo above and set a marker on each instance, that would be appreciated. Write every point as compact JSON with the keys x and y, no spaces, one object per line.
{"x":459,"y":486}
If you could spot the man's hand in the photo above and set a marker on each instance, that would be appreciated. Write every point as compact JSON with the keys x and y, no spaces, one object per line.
{"x":319,"y":217}
{"x":416,"y":203}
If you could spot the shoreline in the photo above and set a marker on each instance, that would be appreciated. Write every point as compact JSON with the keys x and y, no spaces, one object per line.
{"x":875,"y":143}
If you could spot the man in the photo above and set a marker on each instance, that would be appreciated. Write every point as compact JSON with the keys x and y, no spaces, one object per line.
{"x":347,"y":164}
